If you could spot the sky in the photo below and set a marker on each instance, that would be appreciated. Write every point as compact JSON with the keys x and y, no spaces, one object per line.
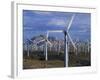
{"x":38,"y":22}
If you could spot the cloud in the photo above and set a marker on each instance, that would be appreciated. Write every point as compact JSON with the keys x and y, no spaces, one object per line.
{"x":82,"y":26}
{"x":28,"y":28}
{"x":83,"y":31}
{"x":57,"y":22}
{"x":42,"y":12}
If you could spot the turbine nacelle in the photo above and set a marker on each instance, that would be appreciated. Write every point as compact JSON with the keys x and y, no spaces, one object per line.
{"x":65,"y":32}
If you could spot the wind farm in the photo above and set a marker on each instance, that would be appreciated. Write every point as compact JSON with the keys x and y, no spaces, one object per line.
{"x":57,"y":40}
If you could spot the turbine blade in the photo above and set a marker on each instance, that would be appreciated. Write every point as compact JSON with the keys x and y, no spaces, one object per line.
{"x":49,"y":42}
{"x":71,"y":41}
{"x":70,"y":22}
{"x":40,"y":41}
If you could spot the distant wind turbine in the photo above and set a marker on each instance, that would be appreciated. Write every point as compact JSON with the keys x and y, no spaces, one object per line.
{"x":45,"y":42}
{"x":28,"y":42}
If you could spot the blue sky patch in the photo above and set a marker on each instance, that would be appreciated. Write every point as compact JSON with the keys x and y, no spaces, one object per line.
{"x":38,"y":22}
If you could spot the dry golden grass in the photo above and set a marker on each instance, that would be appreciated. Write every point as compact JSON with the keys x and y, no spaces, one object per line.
{"x":33,"y":64}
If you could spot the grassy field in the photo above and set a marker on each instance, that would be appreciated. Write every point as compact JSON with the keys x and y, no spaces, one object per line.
{"x":54,"y":60}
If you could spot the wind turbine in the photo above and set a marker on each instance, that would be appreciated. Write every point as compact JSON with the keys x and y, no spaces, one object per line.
{"x":45,"y":43}
{"x":59,"y":46}
{"x":77,"y":46}
{"x":66,"y":36}
{"x":28,"y":42}
{"x":36,"y":40}
{"x":88,"y":46}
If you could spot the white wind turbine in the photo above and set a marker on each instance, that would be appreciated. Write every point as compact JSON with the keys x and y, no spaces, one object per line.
{"x":66,"y":36}
{"x":28,"y":42}
{"x":59,"y":47}
{"x":45,"y":43}
{"x":36,"y":40}
{"x":87,"y":46}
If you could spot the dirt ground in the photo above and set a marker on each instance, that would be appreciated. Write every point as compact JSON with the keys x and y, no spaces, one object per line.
{"x":56,"y":61}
